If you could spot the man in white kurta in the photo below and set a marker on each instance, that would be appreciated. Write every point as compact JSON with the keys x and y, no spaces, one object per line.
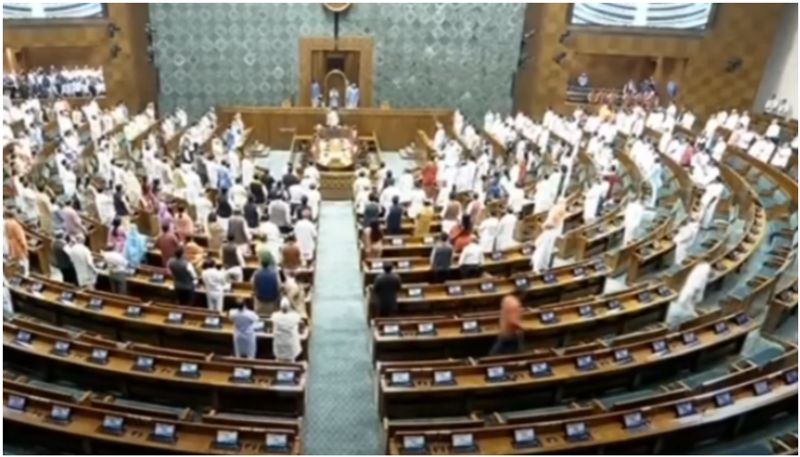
{"x":506,"y":230}
{"x":465,"y":176}
{"x":709,"y":201}
{"x":83,"y":262}
{"x":545,"y":195}
{"x":487,"y":232}
{"x":691,"y":294}
{"x":306,"y":234}
{"x":245,"y":322}
{"x":632,"y":219}
{"x":286,"y":330}
{"x":592,"y":200}
{"x":684,"y":240}
{"x":543,"y":248}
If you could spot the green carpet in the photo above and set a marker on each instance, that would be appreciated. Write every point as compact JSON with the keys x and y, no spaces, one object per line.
{"x":341,"y":413}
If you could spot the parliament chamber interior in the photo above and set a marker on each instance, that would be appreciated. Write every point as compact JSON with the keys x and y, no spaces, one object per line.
{"x":423,"y":228}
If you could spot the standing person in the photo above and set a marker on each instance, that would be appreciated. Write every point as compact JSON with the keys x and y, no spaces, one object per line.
{"x":441,"y":258}
{"x":291,"y":258}
{"x":167,"y":243}
{"x":510,"y":338}
{"x":245,"y":322}
{"x":17,"y":243}
{"x":632,"y":219}
{"x":63,"y":261}
{"x":232,"y":260}
{"x":306,"y":234}
{"x":506,"y":230}
{"x":121,"y":205}
{"x":117,"y":235}
{"x":72,"y":219}
{"x":216,"y":282}
{"x":295,"y":294}
{"x":461,"y":235}
{"x":543,"y":248}
{"x":488,"y":231}
{"x":384,"y":291}
{"x":373,"y":239}
{"x":372,"y":210}
{"x":451,"y":214}
{"x":394,"y":217}
{"x":709,"y":201}
{"x":184,"y":277}
{"x":117,"y":270}
{"x":280,"y":213}
{"x":135,"y":246}
{"x":422,"y":223}
{"x":82,"y":261}
{"x":471,"y":260}
{"x":184,"y":226}
{"x":691,"y":294}
{"x":266,"y":289}
{"x":216,"y":233}
{"x":286,"y":345}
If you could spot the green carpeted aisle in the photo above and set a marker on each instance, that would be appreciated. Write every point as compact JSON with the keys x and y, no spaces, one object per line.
{"x":341,"y":414}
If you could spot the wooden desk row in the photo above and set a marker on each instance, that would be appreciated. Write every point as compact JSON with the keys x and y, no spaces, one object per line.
{"x":562,"y":283}
{"x":185,"y":378}
{"x":93,"y":425}
{"x":126,"y":318}
{"x":647,"y":430}
{"x":543,"y":379}
{"x":782,"y":305}
{"x":549,"y":326}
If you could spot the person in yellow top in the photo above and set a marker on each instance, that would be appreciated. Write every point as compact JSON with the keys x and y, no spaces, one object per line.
{"x":422,"y":225}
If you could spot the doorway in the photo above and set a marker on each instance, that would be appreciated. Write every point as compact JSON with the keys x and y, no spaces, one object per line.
{"x":336,"y":63}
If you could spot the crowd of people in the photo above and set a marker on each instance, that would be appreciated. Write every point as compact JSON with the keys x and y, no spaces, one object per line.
{"x":53,"y":83}
{"x":254,"y":215}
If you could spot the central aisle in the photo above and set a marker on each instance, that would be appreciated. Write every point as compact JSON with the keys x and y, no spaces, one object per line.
{"x":341,"y":415}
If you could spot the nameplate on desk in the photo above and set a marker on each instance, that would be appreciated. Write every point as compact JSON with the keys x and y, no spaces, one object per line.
{"x":614,"y":305}
{"x":276,"y":442}
{"x":689,"y":338}
{"x":623,"y":356}
{"x":761,"y":388}
{"x":400,"y":378}
{"x":16,"y":402}
{"x":585,"y":363}
{"x":685,"y":409}
{"x":67,"y":297}
{"x":541,"y":369}
{"x":644,"y":297}
{"x":548,"y":317}
{"x":599,"y":265}
{"x":578,"y":272}
{"x":397,"y":242}
{"x":415,"y":292}
{"x":521,"y":283}
{"x":664,"y":291}
{"x":454,"y":290}
{"x":37,"y":287}
{"x":742,"y":318}
{"x":414,"y":444}
{"x":790,"y":377}
{"x":99,"y":356}
{"x":157,"y":278}
{"x":470,"y":327}
{"x":525,"y":437}
{"x":426,"y":328}
{"x":24,"y":337}
{"x":723,"y":399}
{"x":585,"y":311}
{"x":114,"y":425}
{"x":144,"y":363}
{"x":488,"y":287}
{"x":496,"y":374}
{"x":403,"y":264}
{"x":60,"y":414}
{"x":443,"y":378}
{"x":390,"y":329}
{"x":242,"y":374}
{"x":549,"y":278}
{"x":174,"y":318}
{"x":428,"y":240}
{"x":61,"y":348}
{"x":720,"y":328}
{"x":286,"y":377}
{"x":376,"y":265}
{"x":95,"y":303}
{"x":133,"y":311}
{"x":497,"y":255}
{"x":576,"y":431}
{"x":227,"y":439}
{"x":634,"y":420}
{"x":463,"y":442}
{"x":659,"y":347}
{"x":212,"y":322}
{"x":164,"y":433}
{"x":527,"y":249}
{"x":15,"y":281}
{"x":188,"y":370}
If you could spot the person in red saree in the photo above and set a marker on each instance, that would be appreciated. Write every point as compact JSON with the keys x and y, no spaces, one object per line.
{"x":461,"y":235}
{"x":429,"y":172}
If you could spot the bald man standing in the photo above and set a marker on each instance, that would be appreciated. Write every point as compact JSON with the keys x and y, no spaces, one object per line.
{"x":509,"y":340}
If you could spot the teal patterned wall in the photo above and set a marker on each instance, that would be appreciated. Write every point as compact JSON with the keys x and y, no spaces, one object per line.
{"x":427,"y":55}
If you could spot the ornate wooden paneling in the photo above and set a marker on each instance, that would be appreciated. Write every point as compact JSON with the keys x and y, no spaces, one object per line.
{"x":129,"y":76}
{"x":365,"y":47}
{"x":738,"y":31}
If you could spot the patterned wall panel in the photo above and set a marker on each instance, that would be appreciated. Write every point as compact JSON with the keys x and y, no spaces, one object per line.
{"x":228,"y":54}
{"x":442,"y":55}
{"x":426,"y":55}
{"x":739,"y":30}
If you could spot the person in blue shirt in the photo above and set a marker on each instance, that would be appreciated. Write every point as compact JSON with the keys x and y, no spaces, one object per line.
{"x":394,"y":218}
{"x":316,"y":94}
{"x":224,"y":180}
{"x":266,"y":288}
